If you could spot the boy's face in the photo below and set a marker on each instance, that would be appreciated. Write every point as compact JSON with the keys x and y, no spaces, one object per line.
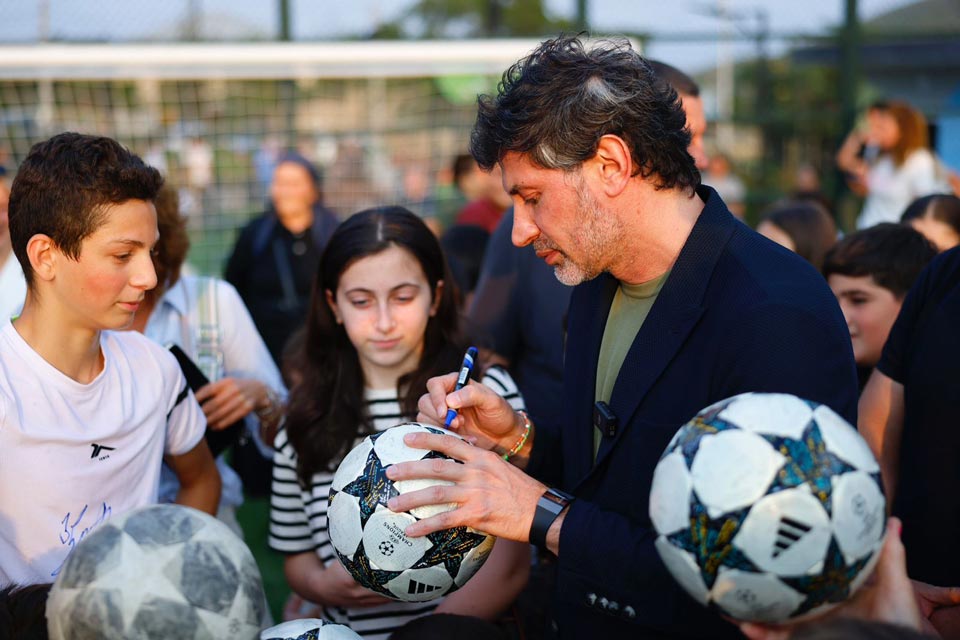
{"x":869,"y":310}
{"x":104,"y":287}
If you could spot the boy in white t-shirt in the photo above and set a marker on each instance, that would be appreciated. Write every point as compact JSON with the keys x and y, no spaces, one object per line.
{"x":87,"y":413}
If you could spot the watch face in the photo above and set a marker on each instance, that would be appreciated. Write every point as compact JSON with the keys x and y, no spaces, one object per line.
{"x":557,"y":497}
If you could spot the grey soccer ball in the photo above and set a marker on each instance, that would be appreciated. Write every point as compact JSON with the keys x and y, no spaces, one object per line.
{"x":163,"y":571}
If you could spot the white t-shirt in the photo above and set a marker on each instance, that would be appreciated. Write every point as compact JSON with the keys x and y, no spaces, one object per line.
{"x":891,"y":188}
{"x":13,"y":288}
{"x":72,"y":455}
{"x":298,"y":516}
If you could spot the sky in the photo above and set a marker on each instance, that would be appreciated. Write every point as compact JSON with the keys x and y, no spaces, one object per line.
{"x":671,"y":23}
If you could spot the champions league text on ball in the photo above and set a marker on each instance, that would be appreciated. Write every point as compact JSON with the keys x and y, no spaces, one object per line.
{"x":768,"y":507}
{"x":369,"y":538}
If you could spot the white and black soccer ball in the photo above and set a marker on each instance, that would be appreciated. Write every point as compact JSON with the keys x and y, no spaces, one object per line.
{"x":309,"y":629}
{"x":163,"y":571}
{"x":369,"y":538}
{"x":768,"y":507}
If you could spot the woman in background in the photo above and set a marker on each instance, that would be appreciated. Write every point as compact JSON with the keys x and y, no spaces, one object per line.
{"x":276,"y":255}
{"x":889,"y":162}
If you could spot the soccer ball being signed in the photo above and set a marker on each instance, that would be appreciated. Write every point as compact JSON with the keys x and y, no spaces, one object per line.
{"x":369,"y":538}
{"x":768,"y":507}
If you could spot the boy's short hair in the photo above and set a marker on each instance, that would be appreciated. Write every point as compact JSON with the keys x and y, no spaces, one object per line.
{"x":64,"y":187}
{"x":892,"y":254}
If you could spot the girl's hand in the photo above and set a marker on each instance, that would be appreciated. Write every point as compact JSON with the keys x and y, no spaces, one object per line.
{"x":337,"y":588}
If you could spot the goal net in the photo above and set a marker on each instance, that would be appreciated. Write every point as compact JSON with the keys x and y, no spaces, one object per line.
{"x":382,"y":121}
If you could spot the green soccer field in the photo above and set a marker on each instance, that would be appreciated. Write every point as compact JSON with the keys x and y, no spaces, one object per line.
{"x":254,"y":517}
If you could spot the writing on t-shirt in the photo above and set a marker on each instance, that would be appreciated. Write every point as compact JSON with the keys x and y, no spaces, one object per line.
{"x":76,"y":529}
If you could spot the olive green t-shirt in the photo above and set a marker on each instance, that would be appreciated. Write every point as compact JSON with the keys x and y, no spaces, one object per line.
{"x":631,"y":305}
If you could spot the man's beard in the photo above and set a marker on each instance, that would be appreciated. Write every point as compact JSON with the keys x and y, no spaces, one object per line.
{"x":587,"y":238}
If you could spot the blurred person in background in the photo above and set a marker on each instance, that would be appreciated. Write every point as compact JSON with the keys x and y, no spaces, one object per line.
{"x":888,"y":161}
{"x":870,"y":272}
{"x":465,"y":247}
{"x":276,"y":255}
{"x":447,"y":193}
{"x":689,"y":92}
{"x":487,"y":198}
{"x":198,"y":166}
{"x":13,"y":288}
{"x":908,"y":415}
{"x":806,"y":186}
{"x":803,"y":226}
{"x":272,"y":268}
{"x":730,"y":187}
{"x":207,"y":319}
{"x":937,"y":217}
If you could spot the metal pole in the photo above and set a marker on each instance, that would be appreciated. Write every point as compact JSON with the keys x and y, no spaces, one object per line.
{"x":288,"y":88}
{"x":849,"y":79}
{"x":583,"y":23}
{"x":285,"y":20}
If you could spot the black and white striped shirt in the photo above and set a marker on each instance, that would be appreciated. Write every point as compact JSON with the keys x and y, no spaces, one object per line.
{"x":298,"y":516}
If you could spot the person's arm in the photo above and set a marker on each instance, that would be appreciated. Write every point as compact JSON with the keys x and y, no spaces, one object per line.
{"x":252,"y":387}
{"x":849,"y":162}
{"x":495,"y":586}
{"x":199,"y":479}
{"x":330,"y":585}
{"x":881,"y":425}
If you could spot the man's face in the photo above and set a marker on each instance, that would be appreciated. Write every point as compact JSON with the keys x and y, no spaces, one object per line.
{"x":556,"y":212}
{"x":697,"y":123}
{"x":104,"y":287}
{"x":869,"y":310}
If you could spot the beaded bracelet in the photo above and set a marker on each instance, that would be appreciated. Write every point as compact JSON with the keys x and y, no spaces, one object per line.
{"x":527,"y":426}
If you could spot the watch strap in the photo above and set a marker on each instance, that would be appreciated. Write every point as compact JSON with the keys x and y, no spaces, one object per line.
{"x":549,"y":507}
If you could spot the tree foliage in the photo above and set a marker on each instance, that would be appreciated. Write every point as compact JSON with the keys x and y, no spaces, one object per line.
{"x":474,"y":19}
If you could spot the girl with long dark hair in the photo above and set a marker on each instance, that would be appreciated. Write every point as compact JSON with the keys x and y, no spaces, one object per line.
{"x":382,"y":320}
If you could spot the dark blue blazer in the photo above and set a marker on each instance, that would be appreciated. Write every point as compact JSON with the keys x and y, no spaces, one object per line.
{"x":737,"y":313}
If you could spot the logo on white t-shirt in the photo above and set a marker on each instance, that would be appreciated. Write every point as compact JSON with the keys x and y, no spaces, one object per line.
{"x":100,"y":448}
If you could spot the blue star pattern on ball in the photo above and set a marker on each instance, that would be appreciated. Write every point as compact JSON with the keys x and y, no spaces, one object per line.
{"x":711,"y":541}
{"x":775,"y":494}
{"x":808,"y":462}
{"x":450,"y":549}
{"x":365,"y":574}
{"x":372,"y":487}
{"x":830,"y":585}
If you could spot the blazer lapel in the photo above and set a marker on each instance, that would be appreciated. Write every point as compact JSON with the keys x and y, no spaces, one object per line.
{"x":673,"y":316}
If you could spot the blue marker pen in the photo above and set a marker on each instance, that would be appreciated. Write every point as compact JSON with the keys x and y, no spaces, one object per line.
{"x":465,"y":369}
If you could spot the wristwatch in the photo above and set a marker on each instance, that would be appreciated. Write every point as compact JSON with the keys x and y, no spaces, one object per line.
{"x":551,"y":503}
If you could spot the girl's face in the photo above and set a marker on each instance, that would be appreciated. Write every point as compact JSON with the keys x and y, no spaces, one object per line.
{"x":882,"y":129}
{"x":384,"y":302}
